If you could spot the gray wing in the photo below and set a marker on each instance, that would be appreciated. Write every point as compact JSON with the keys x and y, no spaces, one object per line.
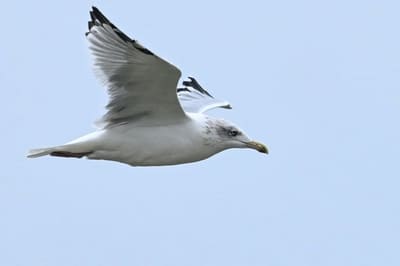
{"x":195,"y":99}
{"x":141,"y":85}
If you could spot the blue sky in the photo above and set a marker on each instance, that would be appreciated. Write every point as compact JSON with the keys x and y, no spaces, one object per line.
{"x":317,"y":81}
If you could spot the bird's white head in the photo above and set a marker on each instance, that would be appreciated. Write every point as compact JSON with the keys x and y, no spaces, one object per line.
{"x":226,"y":135}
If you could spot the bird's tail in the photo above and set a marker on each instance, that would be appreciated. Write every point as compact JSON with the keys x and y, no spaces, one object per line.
{"x":60,"y":151}
{"x":34,"y":153}
{"x":77,"y":148}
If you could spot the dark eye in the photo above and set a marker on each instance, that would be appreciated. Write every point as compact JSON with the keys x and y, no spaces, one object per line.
{"x":233,"y":133}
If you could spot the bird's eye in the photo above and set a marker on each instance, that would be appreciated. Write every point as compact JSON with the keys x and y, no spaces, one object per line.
{"x":233,"y":133}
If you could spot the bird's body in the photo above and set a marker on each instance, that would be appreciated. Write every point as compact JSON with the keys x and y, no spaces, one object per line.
{"x":149,"y":121}
{"x":130,"y":143}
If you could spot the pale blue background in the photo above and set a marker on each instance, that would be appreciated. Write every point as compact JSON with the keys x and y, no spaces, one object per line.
{"x":317,"y":81}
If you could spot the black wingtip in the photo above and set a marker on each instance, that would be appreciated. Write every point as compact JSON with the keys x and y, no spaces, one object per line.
{"x":92,"y":20}
{"x":182,"y":89}
{"x":192,"y":79}
{"x":195,"y":85}
{"x":98,"y":18}
{"x":96,"y":14}
{"x":97,"y":11}
{"x":92,"y":17}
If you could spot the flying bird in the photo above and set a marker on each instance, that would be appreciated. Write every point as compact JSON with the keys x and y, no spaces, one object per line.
{"x":149,"y":121}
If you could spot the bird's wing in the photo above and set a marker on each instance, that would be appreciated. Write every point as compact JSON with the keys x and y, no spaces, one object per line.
{"x":195,"y":99}
{"x":141,"y":85}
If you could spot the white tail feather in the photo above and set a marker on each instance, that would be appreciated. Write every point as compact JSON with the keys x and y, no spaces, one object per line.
{"x":40,"y":152}
{"x":71,"y":150}
{"x":76,"y":148}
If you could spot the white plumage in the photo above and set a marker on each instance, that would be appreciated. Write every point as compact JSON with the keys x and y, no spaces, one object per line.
{"x":148,"y":120}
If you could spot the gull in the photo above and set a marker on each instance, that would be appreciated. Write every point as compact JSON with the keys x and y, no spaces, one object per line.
{"x":149,"y":121}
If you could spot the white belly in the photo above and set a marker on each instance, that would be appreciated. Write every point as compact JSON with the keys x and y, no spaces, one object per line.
{"x":152,"y":146}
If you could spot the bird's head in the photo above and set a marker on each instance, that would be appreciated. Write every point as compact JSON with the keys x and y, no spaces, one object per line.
{"x":229,"y":136}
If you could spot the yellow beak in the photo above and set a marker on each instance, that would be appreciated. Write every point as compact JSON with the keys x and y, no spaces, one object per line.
{"x":257,"y":146}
